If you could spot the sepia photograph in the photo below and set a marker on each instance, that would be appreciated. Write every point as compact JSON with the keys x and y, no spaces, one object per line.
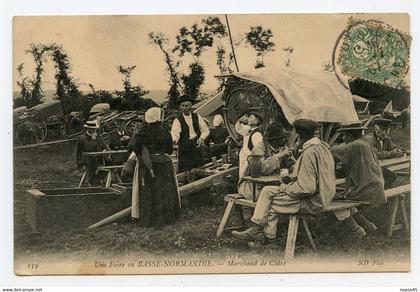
{"x":211,"y":143}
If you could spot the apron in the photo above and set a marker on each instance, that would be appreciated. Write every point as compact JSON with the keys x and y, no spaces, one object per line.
{"x":136,"y":190}
{"x":243,"y":157}
{"x":135,"y":193}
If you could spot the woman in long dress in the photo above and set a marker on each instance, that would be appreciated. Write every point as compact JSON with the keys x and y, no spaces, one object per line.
{"x":155,"y":197}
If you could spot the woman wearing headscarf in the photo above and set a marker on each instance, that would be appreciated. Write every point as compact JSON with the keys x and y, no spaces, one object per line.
{"x":155,"y":196}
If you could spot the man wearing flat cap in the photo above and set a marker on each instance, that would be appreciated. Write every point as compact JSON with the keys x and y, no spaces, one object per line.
{"x":189,"y":131}
{"x":310,"y":192}
{"x":274,"y":156}
{"x":385,"y":148}
{"x":364,"y":181}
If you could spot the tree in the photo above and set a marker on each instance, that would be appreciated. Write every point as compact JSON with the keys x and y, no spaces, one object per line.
{"x":260,"y":39}
{"x":131,"y":97}
{"x":224,"y":67}
{"x":161,"y":41}
{"x":199,"y":37}
{"x":193,"y":80}
{"x":195,"y":41}
{"x":38,"y":53}
{"x":25,"y":96}
{"x":67,"y":90}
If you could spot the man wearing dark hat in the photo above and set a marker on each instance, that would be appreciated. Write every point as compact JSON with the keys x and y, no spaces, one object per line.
{"x":189,"y":131}
{"x":364,"y":181}
{"x":275,"y":156}
{"x":379,"y":139}
{"x":311,"y":191}
{"x":384,"y":147}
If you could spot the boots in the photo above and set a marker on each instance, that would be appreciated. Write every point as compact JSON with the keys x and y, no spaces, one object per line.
{"x":253,"y":233}
{"x":354,"y":228}
{"x":366,"y":224}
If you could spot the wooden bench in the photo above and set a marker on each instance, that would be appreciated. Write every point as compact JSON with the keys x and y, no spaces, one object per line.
{"x":112,"y":171}
{"x":395,"y":196}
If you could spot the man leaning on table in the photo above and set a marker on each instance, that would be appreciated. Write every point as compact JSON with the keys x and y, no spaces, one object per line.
{"x":311,"y":191}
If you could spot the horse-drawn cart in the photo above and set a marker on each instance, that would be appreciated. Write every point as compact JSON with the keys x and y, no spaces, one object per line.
{"x":36,"y":124}
{"x":285,"y":96}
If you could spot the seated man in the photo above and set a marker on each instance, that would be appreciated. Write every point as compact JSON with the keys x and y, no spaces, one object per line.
{"x":311,"y":191}
{"x":217,"y":137}
{"x":274,"y":153}
{"x":90,"y":142}
{"x":384,"y":147}
{"x":119,"y":139}
{"x":364,"y":182}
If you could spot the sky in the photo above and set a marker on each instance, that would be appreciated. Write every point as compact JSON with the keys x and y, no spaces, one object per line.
{"x":97,"y":44}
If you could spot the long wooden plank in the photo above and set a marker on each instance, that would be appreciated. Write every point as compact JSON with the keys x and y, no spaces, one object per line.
{"x":399,"y":167}
{"x":341,"y":204}
{"x":393,"y":161}
{"x":204,"y":182}
{"x":43,"y":144}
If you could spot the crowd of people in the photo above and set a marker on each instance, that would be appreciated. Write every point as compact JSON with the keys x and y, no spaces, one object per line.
{"x":307,"y":166}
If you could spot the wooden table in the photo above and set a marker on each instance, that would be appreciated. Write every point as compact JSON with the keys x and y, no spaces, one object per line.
{"x":393,"y":164}
{"x":265,"y":180}
{"x":109,"y":169}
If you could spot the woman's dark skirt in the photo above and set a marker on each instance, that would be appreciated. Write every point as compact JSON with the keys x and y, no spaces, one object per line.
{"x":159,"y":203}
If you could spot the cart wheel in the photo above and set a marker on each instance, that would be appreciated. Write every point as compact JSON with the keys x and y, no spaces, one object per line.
{"x":133,"y":125}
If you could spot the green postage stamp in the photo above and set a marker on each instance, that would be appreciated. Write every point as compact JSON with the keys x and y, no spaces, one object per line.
{"x":373,"y":51}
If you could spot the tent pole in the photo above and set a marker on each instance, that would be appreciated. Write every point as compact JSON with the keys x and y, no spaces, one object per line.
{"x":231,"y":43}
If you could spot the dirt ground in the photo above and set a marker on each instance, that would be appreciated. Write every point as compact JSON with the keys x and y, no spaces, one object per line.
{"x":193,"y":234}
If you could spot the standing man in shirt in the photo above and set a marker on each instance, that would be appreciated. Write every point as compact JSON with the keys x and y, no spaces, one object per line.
{"x":189,"y":131}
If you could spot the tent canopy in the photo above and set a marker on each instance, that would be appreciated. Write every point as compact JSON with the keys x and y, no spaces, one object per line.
{"x":209,"y":106}
{"x":320,"y":98}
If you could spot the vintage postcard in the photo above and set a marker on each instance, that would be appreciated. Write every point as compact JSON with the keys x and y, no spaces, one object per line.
{"x":209,"y":144}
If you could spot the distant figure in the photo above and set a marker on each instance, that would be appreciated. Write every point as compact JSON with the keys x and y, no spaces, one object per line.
{"x":364,"y":181}
{"x":189,"y":131}
{"x":89,"y":142}
{"x":217,"y":137}
{"x":248,"y":127}
{"x":155,"y":196}
{"x":76,"y":122}
{"x":119,"y":139}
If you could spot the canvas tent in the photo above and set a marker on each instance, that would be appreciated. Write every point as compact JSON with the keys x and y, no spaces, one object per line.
{"x":320,"y":98}
{"x":209,"y":106}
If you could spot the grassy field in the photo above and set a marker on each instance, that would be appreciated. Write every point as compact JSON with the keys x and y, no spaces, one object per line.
{"x":194,"y":234}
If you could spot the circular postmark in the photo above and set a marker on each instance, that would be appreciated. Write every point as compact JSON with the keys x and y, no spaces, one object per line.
{"x":371,"y":50}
